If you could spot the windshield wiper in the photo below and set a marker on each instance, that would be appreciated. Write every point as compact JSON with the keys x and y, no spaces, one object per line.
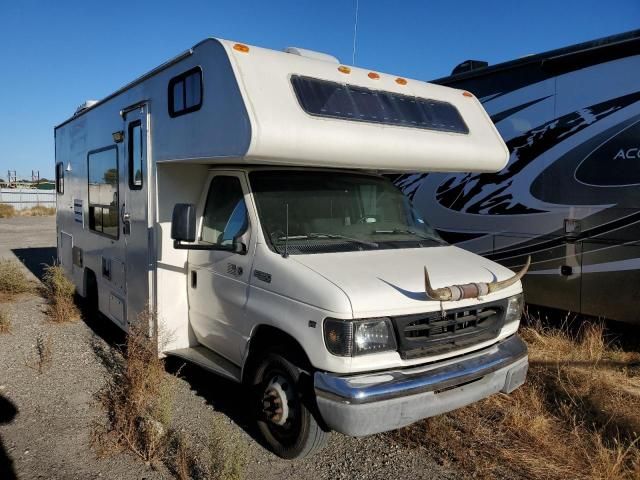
{"x":333,"y":236}
{"x":410,"y":232}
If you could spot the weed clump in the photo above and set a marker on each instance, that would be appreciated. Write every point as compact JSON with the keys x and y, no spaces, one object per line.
{"x":60,"y":292}
{"x":5,"y":323}
{"x":13,"y":281}
{"x":136,"y":398}
{"x":227,"y":457}
{"x":38,"y":211}
{"x":578,"y":415}
{"x":7,"y":211}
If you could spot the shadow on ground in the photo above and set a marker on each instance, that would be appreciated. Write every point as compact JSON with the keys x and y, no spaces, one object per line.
{"x":8,"y":412}
{"x":36,"y":259}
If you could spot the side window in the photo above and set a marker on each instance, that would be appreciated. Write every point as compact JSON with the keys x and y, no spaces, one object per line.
{"x":135,"y":159}
{"x":102,"y":168}
{"x":185,"y":92}
{"x":225,"y":213}
{"x":60,"y":178}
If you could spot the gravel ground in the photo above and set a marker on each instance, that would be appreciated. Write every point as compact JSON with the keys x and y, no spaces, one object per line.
{"x":45,"y":418}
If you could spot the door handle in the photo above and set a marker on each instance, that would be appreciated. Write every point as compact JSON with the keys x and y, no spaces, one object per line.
{"x":126,"y":220}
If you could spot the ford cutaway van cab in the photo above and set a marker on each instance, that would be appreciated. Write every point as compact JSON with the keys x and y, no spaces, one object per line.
{"x":237,"y":193}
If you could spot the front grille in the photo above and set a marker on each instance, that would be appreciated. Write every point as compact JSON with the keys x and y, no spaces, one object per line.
{"x":440,"y":332}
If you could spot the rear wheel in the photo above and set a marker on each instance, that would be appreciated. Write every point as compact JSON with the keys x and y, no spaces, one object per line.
{"x":285,"y":405}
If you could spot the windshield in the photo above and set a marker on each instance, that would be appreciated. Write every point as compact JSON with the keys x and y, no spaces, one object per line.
{"x":319,"y":212}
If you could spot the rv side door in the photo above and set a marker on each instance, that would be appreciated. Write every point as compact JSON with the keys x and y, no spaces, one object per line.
{"x":134,"y":212}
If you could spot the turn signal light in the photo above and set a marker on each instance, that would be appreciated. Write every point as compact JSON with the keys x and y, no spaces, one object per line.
{"x":401,"y":81}
{"x":241,"y":47}
{"x":373,"y":75}
{"x":344,"y":69}
{"x":467,"y":94}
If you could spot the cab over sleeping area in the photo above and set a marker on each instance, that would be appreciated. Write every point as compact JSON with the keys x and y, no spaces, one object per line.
{"x":237,"y":193}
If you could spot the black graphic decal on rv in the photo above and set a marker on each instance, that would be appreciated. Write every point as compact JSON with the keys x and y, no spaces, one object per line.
{"x":491,"y":193}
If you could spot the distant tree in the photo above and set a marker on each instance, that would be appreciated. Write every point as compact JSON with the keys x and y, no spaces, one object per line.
{"x":111,"y":176}
{"x":43,"y":179}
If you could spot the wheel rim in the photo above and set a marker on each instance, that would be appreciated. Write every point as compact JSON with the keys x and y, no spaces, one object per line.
{"x":281,"y":406}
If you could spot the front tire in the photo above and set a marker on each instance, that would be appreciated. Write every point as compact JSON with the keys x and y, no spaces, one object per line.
{"x":285,"y":405}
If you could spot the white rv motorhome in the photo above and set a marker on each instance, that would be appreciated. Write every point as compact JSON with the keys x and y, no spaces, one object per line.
{"x":234,"y":190}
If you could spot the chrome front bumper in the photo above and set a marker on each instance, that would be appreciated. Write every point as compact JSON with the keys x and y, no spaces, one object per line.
{"x":376,"y":402}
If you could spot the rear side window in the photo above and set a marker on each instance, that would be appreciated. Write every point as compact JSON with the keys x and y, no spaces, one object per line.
{"x":348,"y":102}
{"x":185,"y":92}
{"x":60,"y":178}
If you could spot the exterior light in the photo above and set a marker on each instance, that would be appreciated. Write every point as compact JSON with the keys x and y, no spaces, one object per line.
{"x":241,"y":47}
{"x":118,"y":136}
{"x":344,"y":69}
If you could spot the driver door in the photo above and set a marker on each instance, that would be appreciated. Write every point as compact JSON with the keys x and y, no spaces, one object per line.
{"x":218,"y":279}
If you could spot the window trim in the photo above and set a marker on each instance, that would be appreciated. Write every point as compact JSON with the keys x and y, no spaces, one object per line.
{"x":89,"y":204}
{"x":60,"y":178}
{"x":130,"y":159}
{"x":182,"y":78}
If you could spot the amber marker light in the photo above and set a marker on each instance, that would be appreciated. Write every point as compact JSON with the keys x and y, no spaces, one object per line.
{"x":344,"y":69}
{"x":401,"y":81}
{"x":241,"y":47}
{"x":467,"y":94}
{"x":373,"y":75}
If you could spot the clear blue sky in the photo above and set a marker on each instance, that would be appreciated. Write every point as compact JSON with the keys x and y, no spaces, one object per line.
{"x":56,"y":54}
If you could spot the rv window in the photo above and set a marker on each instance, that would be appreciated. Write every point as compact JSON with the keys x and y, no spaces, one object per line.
{"x":135,"y":147}
{"x":185,"y":92}
{"x":102,"y":168}
{"x":225,"y":214}
{"x":60,"y":178}
{"x":330,"y":99}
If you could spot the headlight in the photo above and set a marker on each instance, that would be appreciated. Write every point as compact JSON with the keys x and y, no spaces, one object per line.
{"x":348,"y":338}
{"x":514,"y":308}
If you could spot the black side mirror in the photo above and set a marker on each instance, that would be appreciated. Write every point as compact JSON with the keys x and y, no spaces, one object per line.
{"x":183,"y":223}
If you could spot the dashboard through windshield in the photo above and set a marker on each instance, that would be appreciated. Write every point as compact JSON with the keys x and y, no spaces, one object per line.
{"x":319,"y":212}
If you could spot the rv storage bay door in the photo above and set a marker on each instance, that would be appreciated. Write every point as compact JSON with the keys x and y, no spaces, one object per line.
{"x":310,"y":112}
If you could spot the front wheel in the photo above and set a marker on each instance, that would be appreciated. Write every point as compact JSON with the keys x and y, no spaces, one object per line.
{"x":284,"y":417}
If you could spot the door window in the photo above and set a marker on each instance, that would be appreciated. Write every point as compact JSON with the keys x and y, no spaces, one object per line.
{"x":103,"y":191}
{"x":225,"y":213}
{"x":135,"y":155}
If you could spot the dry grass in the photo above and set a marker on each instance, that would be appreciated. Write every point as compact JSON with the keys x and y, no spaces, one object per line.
{"x":38,"y":211}
{"x":60,"y":291}
{"x":5,"y":323}
{"x":136,"y":398}
{"x":13,"y":281}
{"x":7,"y":211}
{"x":227,"y":456}
{"x":578,"y":415}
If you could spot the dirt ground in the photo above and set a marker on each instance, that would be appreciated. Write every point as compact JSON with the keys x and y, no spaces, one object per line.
{"x":46,"y":418}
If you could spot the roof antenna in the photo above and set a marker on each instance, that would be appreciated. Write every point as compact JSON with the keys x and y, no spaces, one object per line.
{"x":355,"y":34}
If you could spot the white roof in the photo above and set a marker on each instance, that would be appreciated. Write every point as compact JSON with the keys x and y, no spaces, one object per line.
{"x":283,"y":133}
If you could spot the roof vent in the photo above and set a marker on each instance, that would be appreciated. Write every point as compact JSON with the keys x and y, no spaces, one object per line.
{"x":84,"y":106}
{"x":303,"y":52}
{"x":469,"y":65}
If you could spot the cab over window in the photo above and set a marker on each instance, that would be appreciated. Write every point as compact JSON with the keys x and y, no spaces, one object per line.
{"x":225,"y":213}
{"x":102,"y":167}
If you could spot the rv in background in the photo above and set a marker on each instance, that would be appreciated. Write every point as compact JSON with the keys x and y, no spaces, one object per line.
{"x":570,"y":194}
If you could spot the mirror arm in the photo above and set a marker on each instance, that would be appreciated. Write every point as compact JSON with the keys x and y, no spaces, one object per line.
{"x":178,"y":245}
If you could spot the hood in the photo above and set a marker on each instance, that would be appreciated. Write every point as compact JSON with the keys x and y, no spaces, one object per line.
{"x":391,"y":282}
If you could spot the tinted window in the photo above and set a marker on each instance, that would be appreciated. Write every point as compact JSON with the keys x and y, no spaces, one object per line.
{"x":135,"y":155}
{"x":185,"y":92}
{"x":102,"y":167}
{"x":60,"y":178}
{"x":225,"y":213}
{"x":331,"y":99}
